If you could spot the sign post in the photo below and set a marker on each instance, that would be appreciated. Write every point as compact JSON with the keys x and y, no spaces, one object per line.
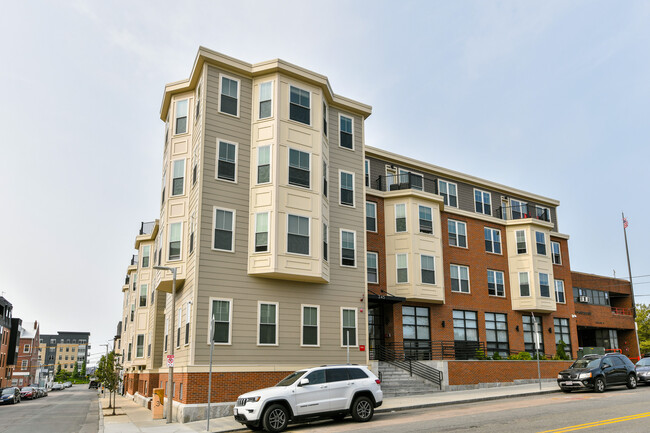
{"x":537,"y":338}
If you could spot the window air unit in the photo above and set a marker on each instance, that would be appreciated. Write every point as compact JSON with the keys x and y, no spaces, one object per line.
{"x":584,"y":299}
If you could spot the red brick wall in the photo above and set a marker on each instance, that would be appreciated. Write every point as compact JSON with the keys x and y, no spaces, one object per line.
{"x":474,"y":372}
{"x":376,"y":244}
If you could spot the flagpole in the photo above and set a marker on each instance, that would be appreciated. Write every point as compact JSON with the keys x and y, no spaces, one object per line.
{"x":629,"y":270}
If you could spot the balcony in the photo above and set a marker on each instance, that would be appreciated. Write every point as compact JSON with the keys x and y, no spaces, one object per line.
{"x":524,"y":212}
{"x":146,"y":228}
{"x":622,"y":311}
{"x":405,"y":180}
{"x":134,"y":260}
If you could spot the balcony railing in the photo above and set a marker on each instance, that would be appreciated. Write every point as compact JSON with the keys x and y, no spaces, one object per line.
{"x":127,"y":280}
{"x":405,"y":180}
{"x":134,"y":260}
{"x":523,"y":212}
{"x":445,"y":350}
{"x":146,"y":228}
{"x":622,"y":311}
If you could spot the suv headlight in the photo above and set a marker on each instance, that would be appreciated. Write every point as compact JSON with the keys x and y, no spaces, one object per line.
{"x":584,"y":375}
{"x":251,"y":400}
{"x":559,"y":376}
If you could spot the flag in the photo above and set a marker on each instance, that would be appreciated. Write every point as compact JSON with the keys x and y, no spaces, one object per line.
{"x":625,"y":223}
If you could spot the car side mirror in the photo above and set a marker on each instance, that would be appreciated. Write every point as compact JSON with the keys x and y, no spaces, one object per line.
{"x":303,"y":382}
{"x":606,"y":365}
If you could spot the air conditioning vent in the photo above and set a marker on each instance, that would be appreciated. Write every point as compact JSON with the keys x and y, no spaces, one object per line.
{"x":584,"y":299}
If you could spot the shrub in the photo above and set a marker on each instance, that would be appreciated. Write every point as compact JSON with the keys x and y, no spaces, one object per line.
{"x":496,"y":356}
{"x":560,"y":352}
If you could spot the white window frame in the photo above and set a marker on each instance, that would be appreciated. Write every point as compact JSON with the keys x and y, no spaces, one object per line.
{"x":171,"y":190}
{"x":136,"y":346}
{"x":492,"y":230}
{"x":447,"y":186}
{"x":547,"y":209}
{"x":420,"y":224}
{"x":556,"y":291}
{"x":551,"y":294}
{"x":354,"y":202}
{"x":406,"y":219}
{"x":216,"y":170}
{"x":352,"y":133}
{"x":221,"y":77}
{"x":530,"y":292}
{"x":27,"y":348}
{"x":397,"y":268}
{"x":230,"y":314}
{"x":187,"y":116}
{"x":24,"y":364}
{"x":197,"y":100}
{"x":354,"y":232}
{"x":366,"y":173}
{"x":460,"y":288}
{"x":146,"y":295}
{"x":302,"y":325}
{"x":537,"y":243}
{"x":311,"y":111}
{"x":518,"y":204}
{"x":456,"y":222}
{"x":376,"y":263}
{"x":268,"y":234}
{"x":259,"y":101}
{"x":148,"y":256}
{"x":169,"y":235}
{"x":326,"y":241}
{"x":165,"y":336}
{"x":434,"y":270}
{"x":179,"y":326}
{"x":277,"y":322}
{"x":308,"y":235}
{"x":525,"y":242}
{"x":356,"y":326}
{"x":559,"y":253}
{"x":374,"y":206}
{"x":496,"y":290}
{"x":289,"y":168}
{"x":482,"y":201}
{"x":325,"y":113}
{"x":257,"y":165}
{"x":232,"y":228}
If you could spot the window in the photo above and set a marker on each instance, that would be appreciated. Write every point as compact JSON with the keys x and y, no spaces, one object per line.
{"x":371,"y":260}
{"x":223,"y":230}
{"x":310,"y":325}
{"x":325,"y":118}
{"x":175,"y":231}
{"x":519,"y":209}
{"x":197,"y":98}
{"x":164,"y":187}
{"x":371,"y":216}
{"x":261,"y":232}
{"x":146,"y":253}
{"x":148,"y":345}
{"x":267,"y":319}
{"x":27,"y":348}
{"x":345,"y":128}
{"x":428,"y":269}
{"x":324,"y":178}
{"x":192,"y":231}
{"x":495,"y":283}
{"x":482,"y":202}
{"x":347,"y":188}
{"x":299,"y":168}
{"x":139,"y":347}
{"x":448,"y":192}
{"x":559,"y":292}
{"x":180,"y":121}
{"x":178,"y":181}
{"x":496,"y":334}
{"x":222,"y":316}
{"x":179,"y":322}
{"x":562,"y":333}
{"x":229,"y":96}
{"x":465,"y":326}
{"x":128,"y":358}
{"x":530,"y":329}
{"x":135,"y":281}
{"x":400,"y":217}
{"x":187,"y":322}
{"x":349,"y":326}
{"x":227,"y":163}
{"x":366,"y":165}
{"x":492,"y":240}
{"x":555,"y":253}
{"x":143,"y":295}
{"x":459,"y":279}
{"x":426,"y":220}
{"x":266,"y":98}
{"x":544,"y":288}
{"x":347,"y":248}
{"x":520,"y":235}
{"x":401,"y":261}
{"x":524,"y":284}
{"x":299,"y":105}
{"x":540,"y":241}
{"x":457,"y":233}
{"x":298,"y":234}
{"x":132,"y":312}
{"x":542,"y":213}
{"x":24,"y":364}
{"x":415,"y":326}
{"x":325,"y":235}
{"x":263,"y":164}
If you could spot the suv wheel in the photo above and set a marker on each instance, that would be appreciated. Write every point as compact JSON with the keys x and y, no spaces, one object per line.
{"x":362,"y":409}
{"x":631,"y":381}
{"x":276,"y":418}
{"x":599,"y":385}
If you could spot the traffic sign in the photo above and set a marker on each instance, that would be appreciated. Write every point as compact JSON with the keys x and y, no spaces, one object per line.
{"x":170,"y":360}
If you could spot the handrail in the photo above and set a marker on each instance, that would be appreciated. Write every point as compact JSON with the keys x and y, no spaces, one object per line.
{"x":412,"y":366}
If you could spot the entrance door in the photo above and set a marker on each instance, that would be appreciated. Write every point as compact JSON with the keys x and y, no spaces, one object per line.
{"x":375,"y":328}
{"x":416,"y":332}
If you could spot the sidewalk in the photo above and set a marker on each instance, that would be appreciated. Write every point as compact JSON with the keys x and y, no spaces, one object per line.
{"x":131,"y":417}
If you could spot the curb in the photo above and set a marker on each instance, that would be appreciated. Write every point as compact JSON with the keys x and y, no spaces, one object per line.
{"x":469,"y":400}
{"x":100,"y":427}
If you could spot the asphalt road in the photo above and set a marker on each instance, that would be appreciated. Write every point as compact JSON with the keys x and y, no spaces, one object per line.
{"x":616,"y":410}
{"x":73,"y":409}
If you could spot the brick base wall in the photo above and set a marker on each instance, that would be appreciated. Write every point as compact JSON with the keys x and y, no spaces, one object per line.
{"x":475,"y":372}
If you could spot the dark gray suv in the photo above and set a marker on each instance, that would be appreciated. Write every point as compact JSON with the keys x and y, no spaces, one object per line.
{"x":597,"y":372}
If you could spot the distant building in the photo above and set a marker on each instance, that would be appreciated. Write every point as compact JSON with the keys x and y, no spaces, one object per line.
{"x":7,"y":351}
{"x":64,"y":350}
{"x":27,"y":365}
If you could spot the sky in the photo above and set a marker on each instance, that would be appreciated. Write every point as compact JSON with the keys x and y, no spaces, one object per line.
{"x":550,"y":97}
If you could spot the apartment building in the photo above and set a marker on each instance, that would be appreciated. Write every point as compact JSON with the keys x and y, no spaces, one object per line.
{"x":8,"y":345}
{"x":27,"y":365}
{"x":63,"y":350}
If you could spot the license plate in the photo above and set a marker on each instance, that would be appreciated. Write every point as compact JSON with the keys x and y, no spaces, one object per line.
{"x":568,"y":382}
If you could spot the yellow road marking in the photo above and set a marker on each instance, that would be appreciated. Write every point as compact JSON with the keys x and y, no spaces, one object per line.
{"x":598,"y":423}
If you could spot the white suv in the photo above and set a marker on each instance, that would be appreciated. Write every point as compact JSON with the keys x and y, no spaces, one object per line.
{"x":321,"y":392}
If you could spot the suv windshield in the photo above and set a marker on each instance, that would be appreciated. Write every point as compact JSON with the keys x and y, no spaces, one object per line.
{"x":7,"y":391}
{"x":586,"y":363}
{"x":645,"y":362}
{"x":289,"y":380}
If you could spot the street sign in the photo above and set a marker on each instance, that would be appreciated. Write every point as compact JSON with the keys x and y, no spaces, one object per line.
{"x":170,"y":360}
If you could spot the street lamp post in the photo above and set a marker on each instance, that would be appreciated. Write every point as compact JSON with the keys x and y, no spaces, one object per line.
{"x":170,"y":376}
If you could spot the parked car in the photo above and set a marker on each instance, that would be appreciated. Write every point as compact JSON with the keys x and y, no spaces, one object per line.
{"x":93,"y":384}
{"x":643,"y":370}
{"x":67,"y":384}
{"x":597,"y":372}
{"x":320,"y":392}
{"x":43,"y":391}
{"x":27,"y":392}
{"x":10,"y":395}
{"x":57,"y":387}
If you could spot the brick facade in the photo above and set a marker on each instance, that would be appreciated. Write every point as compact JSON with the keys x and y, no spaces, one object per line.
{"x":467,"y":372}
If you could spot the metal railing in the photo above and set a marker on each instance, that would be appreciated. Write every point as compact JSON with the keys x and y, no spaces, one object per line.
{"x":405,"y":180}
{"x":622,"y":311}
{"x":412,"y":366}
{"x":127,"y":280}
{"x":134,"y":260}
{"x":523,"y":212}
{"x":146,"y":228}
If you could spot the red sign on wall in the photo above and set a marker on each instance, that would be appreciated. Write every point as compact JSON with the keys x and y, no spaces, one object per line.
{"x":362,"y":348}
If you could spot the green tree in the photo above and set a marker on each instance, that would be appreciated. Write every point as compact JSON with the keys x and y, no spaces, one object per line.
{"x":560,"y":352}
{"x":62,"y":375}
{"x":83,"y":370}
{"x":107,"y":373}
{"x":643,"y":323}
{"x":75,"y":371}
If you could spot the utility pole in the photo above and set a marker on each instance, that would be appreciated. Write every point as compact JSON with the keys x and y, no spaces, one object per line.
{"x":170,"y":375}
{"x":629,"y":270}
